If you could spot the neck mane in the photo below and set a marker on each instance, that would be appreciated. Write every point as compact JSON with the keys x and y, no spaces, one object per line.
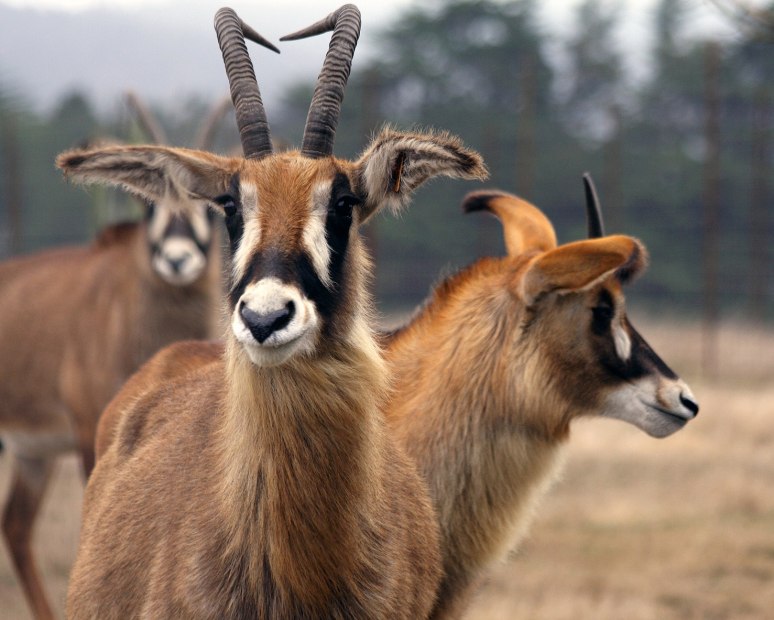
{"x":467,"y":413}
{"x":297,"y":447}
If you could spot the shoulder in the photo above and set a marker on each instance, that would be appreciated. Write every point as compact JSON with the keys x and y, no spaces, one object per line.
{"x":179,"y":373}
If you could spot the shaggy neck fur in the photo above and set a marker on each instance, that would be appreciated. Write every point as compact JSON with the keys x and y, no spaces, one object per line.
{"x":298,"y":448}
{"x":469,"y":413}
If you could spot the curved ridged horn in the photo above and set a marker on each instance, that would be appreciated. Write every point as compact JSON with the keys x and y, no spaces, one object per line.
{"x":594,"y":223}
{"x":147,"y":121}
{"x":323,"y":117}
{"x":250,"y":115}
{"x":206,"y":134}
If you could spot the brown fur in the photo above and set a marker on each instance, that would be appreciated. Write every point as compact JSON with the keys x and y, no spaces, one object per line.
{"x":249,"y":489}
{"x":487,"y":378}
{"x":76,"y":323}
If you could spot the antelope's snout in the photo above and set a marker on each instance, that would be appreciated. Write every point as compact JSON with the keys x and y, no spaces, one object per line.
{"x":657,"y":405}
{"x":273,"y":321}
{"x":179,"y":261}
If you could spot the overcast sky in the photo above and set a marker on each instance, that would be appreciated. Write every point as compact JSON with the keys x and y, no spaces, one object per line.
{"x":167,"y":48}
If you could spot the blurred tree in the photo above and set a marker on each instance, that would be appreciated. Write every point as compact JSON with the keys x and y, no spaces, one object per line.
{"x":480,"y":70}
{"x":596,"y":77}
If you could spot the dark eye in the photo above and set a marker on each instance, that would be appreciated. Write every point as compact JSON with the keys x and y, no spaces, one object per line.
{"x":227,"y":203}
{"x":150,"y":210}
{"x":602,"y":316}
{"x":344,"y":205}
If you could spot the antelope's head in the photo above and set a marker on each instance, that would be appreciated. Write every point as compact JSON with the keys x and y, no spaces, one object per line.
{"x":179,"y":236}
{"x":298,"y":264}
{"x":584,"y":355}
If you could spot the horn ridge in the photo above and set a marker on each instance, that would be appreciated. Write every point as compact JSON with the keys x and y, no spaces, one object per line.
{"x":594,"y":223}
{"x":245,"y":94}
{"x":325,"y":108}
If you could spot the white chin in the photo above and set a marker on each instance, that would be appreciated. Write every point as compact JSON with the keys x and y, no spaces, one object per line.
{"x":180,"y":279}
{"x":184,"y":278}
{"x":662,"y":425}
{"x":266,"y":356}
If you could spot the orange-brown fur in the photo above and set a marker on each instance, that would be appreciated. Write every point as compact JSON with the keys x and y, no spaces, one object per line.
{"x":76,"y":322}
{"x":486,"y":385}
{"x":245,"y":489}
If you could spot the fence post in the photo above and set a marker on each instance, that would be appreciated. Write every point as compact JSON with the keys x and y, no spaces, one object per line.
{"x":710,"y":232}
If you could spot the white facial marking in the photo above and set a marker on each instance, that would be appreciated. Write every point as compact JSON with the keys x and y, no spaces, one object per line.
{"x":652,"y":404}
{"x":251,"y":235}
{"x":201,"y":224}
{"x":158,"y":223}
{"x":623,"y":344}
{"x":298,"y":336}
{"x":179,"y":261}
{"x":314,"y":238}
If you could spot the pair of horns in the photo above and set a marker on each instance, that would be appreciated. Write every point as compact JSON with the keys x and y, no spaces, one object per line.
{"x":323,"y":116}
{"x":150,"y":125}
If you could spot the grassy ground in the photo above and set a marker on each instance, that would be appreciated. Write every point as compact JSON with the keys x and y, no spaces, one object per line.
{"x":636,"y":528}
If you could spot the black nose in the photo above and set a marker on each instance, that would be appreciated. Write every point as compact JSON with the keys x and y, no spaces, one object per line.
{"x":689,"y":404}
{"x":262,"y":326}
{"x":176,"y":263}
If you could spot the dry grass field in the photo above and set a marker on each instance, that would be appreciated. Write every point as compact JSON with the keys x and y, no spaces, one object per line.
{"x":636,"y":528}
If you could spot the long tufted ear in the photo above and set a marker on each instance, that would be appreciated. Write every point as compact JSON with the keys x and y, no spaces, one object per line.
{"x":396,"y":163}
{"x":152,"y":172}
{"x":525,"y":227}
{"x":579,"y":266}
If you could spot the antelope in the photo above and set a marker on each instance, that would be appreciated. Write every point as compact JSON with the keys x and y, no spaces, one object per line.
{"x":263,"y":483}
{"x":502,"y":358}
{"x":75,"y":323}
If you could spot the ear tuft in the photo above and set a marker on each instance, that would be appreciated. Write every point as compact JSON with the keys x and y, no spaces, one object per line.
{"x":526,"y":228}
{"x":69,"y":160}
{"x":635,"y":265}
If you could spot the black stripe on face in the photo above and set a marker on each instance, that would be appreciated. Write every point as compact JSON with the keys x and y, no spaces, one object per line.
{"x":231,"y":205}
{"x":338,"y":223}
{"x":642,"y":360}
{"x":266,"y":264}
{"x":180,"y":226}
{"x":299,"y":269}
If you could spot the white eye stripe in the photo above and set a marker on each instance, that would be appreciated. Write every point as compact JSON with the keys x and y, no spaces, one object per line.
{"x":251,"y":235}
{"x":201,"y":225}
{"x":158,"y":223}
{"x":623,"y":344}
{"x":314,"y":239}
{"x":195,"y":215}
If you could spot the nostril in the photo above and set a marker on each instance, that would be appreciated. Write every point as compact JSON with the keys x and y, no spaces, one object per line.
{"x":176,"y":263}
{"x":262,"y":326}
{"x":689,"y":404}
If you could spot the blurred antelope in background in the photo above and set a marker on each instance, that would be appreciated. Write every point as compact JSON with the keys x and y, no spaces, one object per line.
{"x":263,"y":484}
{"x":493,"y":369}
{"x":76,"y":322}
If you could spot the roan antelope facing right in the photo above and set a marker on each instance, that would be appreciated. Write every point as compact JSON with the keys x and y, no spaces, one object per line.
{"x":264,"y":484}
{"x":493,"y":369}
